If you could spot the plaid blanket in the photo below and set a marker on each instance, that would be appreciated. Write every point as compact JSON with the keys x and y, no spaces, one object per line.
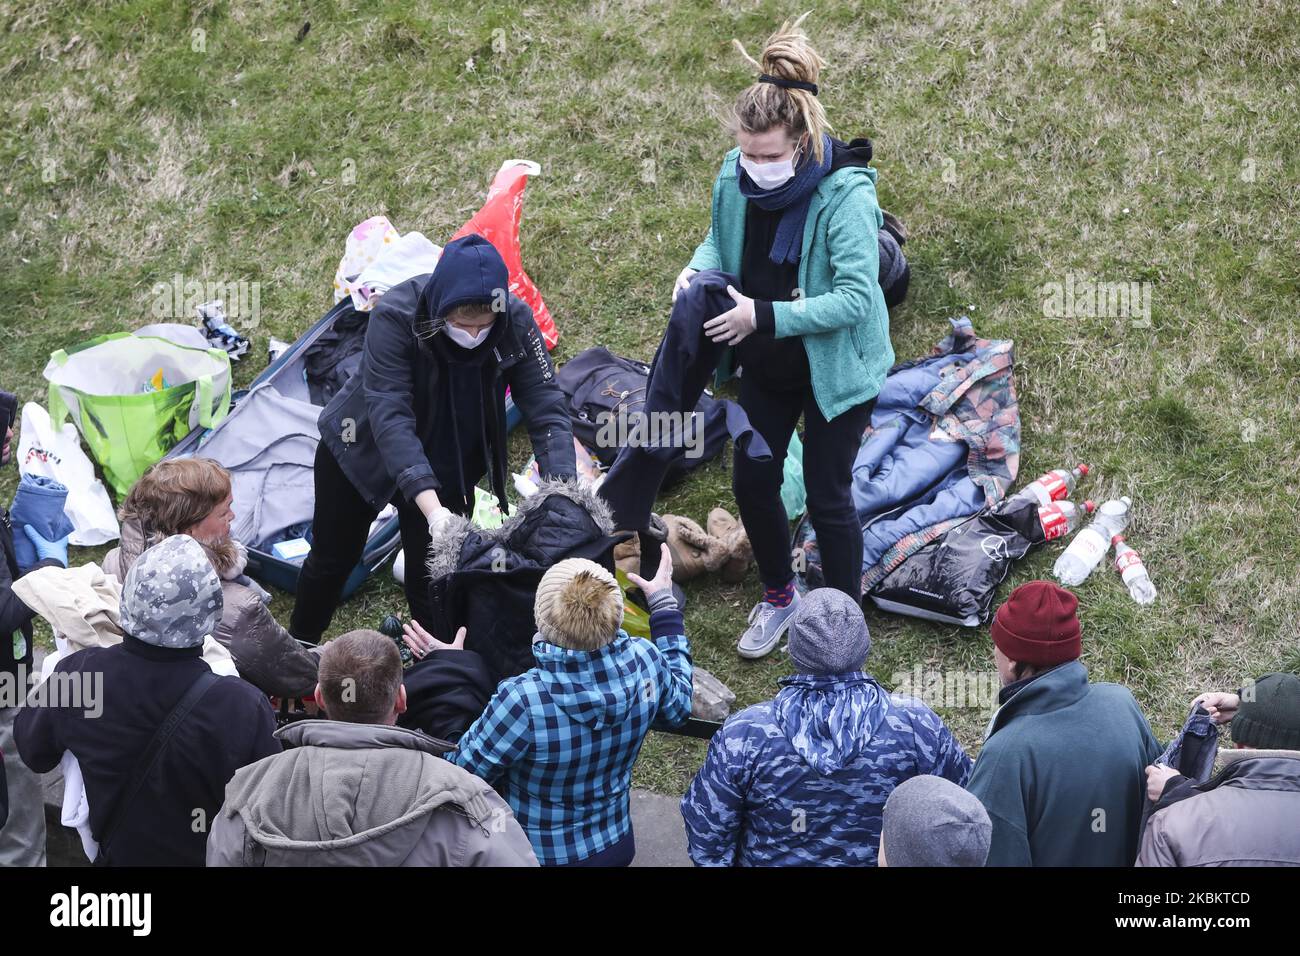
{"x":973,"y":402}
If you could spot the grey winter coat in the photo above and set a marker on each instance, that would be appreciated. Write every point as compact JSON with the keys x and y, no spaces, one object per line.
{"x":363,"y":795}
{"x":266,"y":655}
{"x":1246,"y":815}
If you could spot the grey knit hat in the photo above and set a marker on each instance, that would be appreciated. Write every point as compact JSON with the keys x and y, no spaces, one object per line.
{"x":930,"y":821}
{"x":171,"y":596}
{"x":1269,"y":715}
{"x":828,"y":634}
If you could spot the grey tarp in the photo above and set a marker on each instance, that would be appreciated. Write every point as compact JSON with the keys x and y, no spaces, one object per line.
{"x":268,"y":443}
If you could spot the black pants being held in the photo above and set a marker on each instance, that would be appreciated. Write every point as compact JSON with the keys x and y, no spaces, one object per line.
{"x":683,"y":365}
{"x":829,"y":450}
{"x":340,"y":527}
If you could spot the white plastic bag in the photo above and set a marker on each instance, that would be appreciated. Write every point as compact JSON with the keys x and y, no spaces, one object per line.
{"x":377,"y":257}
{"x":58,"y":455}
{"x":410,"y":256}
{"x":184,"y":335}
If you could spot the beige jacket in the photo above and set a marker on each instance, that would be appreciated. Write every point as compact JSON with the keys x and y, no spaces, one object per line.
{"x":363,"y":795}
{"x":1248,"y":814}
{"x":81,"y":606}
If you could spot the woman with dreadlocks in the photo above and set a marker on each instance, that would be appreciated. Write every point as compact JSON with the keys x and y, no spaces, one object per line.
{"x":795,"y":226}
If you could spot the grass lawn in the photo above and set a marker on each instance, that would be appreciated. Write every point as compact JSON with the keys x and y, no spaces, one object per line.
{"x":1021,"y":142}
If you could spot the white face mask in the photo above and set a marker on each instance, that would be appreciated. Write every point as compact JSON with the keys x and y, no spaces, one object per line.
{"x":464,"y":339}
{"x":769,"y":175}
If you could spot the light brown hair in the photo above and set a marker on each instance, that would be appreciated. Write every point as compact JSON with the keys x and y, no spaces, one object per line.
{"x":359,"y":675}
{"x":470,"y":311}
{"x":173,"y":496}
{"x":789,"y":55}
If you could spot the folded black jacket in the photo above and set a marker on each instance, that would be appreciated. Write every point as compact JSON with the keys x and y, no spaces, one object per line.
{"x":446,"y":691}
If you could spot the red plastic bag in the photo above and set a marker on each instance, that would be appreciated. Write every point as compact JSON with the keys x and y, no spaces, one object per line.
{"x":498,"y":223}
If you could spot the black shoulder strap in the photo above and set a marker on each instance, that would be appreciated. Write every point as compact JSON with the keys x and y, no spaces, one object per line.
{"x":149,"y":759}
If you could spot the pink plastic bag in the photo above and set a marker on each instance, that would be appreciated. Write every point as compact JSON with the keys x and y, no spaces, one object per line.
{"x":498,"y":222}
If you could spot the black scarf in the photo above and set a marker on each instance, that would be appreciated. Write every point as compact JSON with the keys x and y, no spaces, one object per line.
{"x":470,"y":375}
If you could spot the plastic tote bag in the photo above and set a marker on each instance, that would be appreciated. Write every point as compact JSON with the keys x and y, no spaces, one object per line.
{"x":498,"y":222}
{"x":56,"y":453}
{"x":134,"y":397}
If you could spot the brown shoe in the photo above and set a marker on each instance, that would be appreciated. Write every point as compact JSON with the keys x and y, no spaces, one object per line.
{"x":627,"y":556}
{"x":740,"y":555}
{"x":695,"y":551}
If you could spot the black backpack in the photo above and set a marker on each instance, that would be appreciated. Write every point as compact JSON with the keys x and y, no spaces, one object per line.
{"x":597,"y":382}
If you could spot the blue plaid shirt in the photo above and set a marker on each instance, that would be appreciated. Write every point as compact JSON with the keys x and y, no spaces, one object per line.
{"x":563,"y":736}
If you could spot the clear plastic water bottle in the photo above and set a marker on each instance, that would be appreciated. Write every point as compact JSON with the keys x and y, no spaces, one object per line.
{"x":1061,"y":517}
{"x":1056,"y":485}
{"x":1091,"y":544}
{"x":1130,"y":567}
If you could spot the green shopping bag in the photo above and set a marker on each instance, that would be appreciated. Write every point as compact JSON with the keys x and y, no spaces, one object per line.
{"x":134,"y":397}
{"x":793,"y":494}
{"x":636,"y":620}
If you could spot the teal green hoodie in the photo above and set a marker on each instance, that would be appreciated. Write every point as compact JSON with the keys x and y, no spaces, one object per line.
{"x":1062,"y":774}
{"x":841,"y":313}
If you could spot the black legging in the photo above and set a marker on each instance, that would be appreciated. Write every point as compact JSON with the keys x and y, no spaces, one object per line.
{"x":340,"y":525}
{"x":829,"y":449}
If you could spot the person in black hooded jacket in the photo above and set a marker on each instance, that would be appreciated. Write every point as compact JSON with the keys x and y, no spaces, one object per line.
{"x":424,"y":421}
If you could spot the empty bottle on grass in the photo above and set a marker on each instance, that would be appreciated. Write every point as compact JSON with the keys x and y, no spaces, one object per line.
{"x":1130,"y":567}
{"x":1056,"y":485}
{"x":1091,"y":544}
{"x":1061,"y":517}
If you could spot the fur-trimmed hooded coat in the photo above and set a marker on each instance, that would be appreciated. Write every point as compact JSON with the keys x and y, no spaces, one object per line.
{"x":485,"y":580}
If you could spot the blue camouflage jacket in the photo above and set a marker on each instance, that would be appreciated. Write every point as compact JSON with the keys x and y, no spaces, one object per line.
{"x":802,"y":780}
{"x":563,"y":737}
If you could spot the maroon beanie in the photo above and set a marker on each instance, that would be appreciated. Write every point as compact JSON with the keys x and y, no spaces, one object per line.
{"x":1037,"y":625}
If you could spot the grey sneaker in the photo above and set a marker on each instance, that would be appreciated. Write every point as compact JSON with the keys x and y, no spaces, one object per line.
{"x":767,"y":625}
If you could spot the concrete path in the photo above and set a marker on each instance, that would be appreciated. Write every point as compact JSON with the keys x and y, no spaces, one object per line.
{"x":660,"y":835}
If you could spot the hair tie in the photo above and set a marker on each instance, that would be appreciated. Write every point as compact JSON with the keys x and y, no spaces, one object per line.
{"x":788,"y":84}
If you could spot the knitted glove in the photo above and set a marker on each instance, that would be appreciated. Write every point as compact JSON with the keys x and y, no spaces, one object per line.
{"x":662,"y":600}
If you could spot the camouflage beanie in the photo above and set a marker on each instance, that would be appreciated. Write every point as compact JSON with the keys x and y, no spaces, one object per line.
{"x":171,"y":596}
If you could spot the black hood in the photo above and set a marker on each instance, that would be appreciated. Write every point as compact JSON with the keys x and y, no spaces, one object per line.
{"x":856,"y":152}
{"x":469,"y":270}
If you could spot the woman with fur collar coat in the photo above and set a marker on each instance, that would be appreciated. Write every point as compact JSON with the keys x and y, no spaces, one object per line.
{"x":192,"y":496}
